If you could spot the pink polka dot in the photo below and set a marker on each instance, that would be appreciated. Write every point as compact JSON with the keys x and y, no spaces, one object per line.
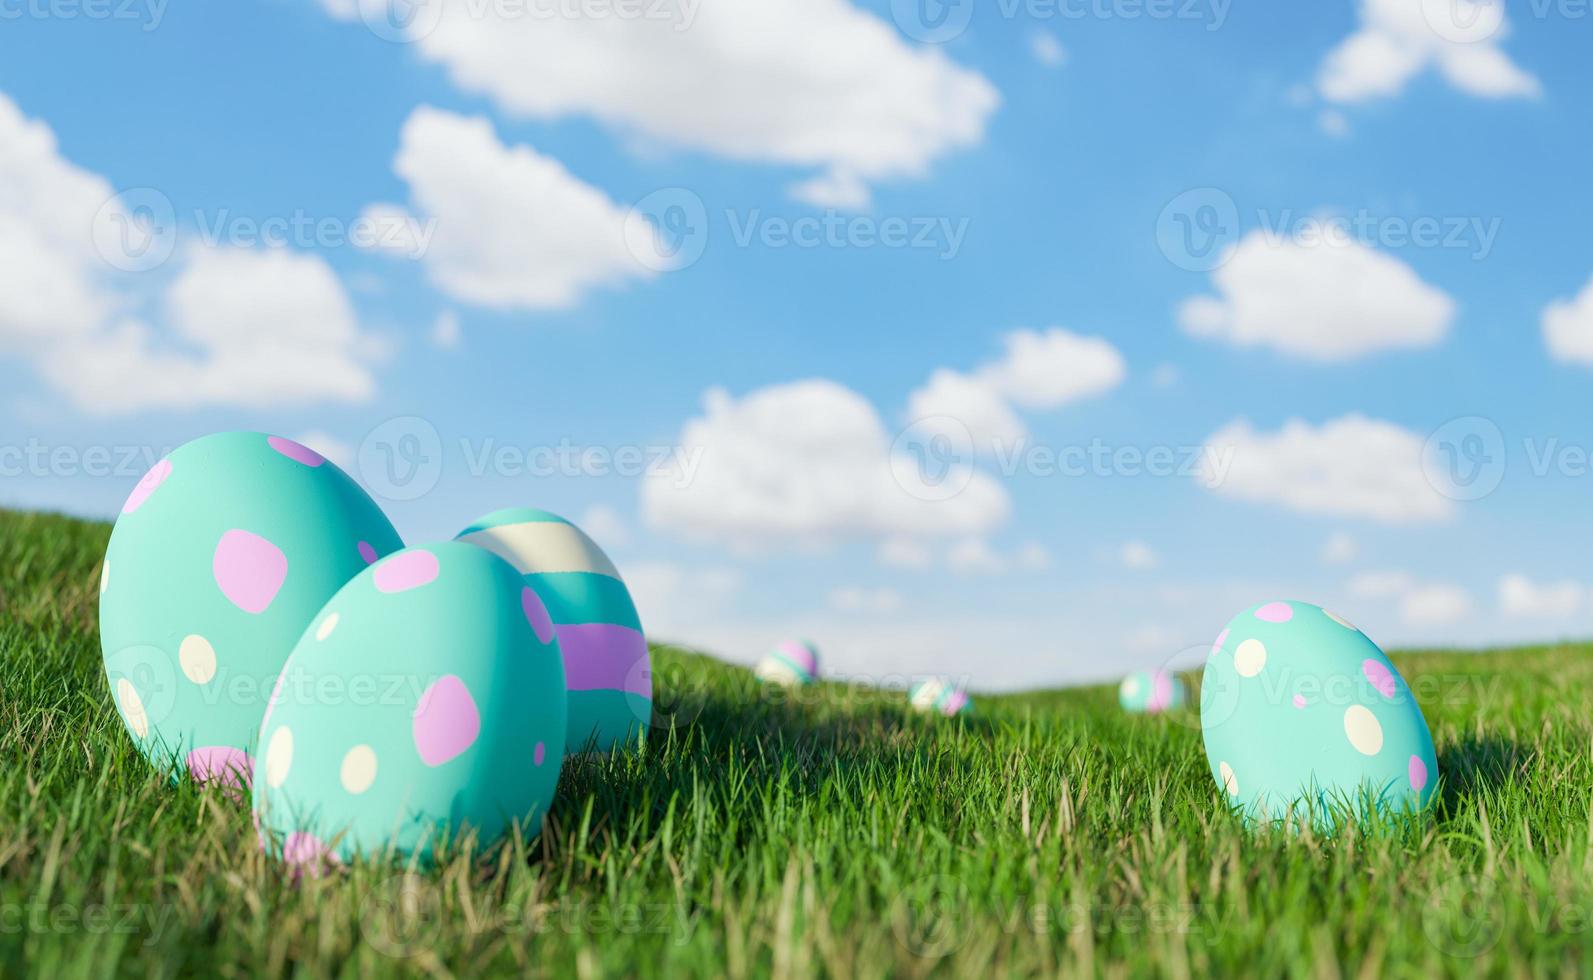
{"x":296,"y":452}
{"x":406,"y":570}
{"x":1221,"y":639}
{"x":307,"y":852}
{"x":1299,"y":701}
{"x":1380,"y":677}
{"x":221,"y":764}
{"x":155,"y":477}
{"x":540,"y":754}
{"x":1275,"y":612}
{"x":367,"y":552}
{"x":446,"y":721}
{"x":536,"y":613}
{"x":1418,"y":774}
{"x":1161,"y":692}
{"x":249,"y":569}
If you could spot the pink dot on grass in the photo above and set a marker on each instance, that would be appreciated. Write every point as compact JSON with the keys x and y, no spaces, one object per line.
{"x":406,"y":570}
{"x":154,"y":478}
{"x":1275,"y":612}
{"x":295,"y":451}
{"x":249,"y":570}
{"x":536,"y":613}
{"x":446,"y":721}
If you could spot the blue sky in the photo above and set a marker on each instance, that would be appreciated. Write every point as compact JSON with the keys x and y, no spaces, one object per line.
{"x":1048,"y":156}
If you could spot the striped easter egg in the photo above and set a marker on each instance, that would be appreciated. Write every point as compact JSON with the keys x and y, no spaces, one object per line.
{"x":586,"y":604}
{"x":1151,"y":692}
{"x":790,"y":664}
{"x":939,"y":696}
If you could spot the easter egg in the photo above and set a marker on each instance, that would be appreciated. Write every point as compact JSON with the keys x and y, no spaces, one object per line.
{"x":606,"y":663}
{"x":220,"y":558}
{"x":1304,"y":717}
{"x":939,"y":696}
{"x":425,"y":700}
{"x":1151,"y":692}
{"x":791,"y":664}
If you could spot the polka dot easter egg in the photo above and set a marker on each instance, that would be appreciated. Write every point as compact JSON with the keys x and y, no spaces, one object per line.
{"x":222,"y":555}
{"x":1151,"y":692}
{"x":589,"y":609}
{"x":939,"y":696}
{"x":1305,"y":718}
{"x":426,"y":699}
{"x":791,"y":664}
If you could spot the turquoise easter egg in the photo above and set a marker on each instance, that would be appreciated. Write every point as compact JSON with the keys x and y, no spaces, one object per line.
{"x":790,"y":664}
{"x":1151,"y":692}
{"x":939,"y":696}
{"x":1304,"y":717}
{"x":220,"y":558}
{"x":425,"y":700}
{"x":606,"y":662}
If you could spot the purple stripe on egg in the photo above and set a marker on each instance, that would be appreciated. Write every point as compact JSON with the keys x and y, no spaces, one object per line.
{"x":954,"y":703}
{"x":799,"y":654}
{"x":604,"y":657}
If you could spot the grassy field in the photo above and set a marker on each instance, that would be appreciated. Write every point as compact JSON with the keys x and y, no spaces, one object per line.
{"x":831,"y":834}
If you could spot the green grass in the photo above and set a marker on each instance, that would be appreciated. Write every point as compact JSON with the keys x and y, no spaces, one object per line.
{"x":834,"y":834}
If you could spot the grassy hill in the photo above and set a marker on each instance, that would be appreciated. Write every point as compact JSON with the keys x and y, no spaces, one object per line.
{"x":829,"y":832}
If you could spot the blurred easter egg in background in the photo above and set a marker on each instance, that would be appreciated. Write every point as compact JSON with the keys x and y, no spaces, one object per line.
{"x":791,"y":663}
{"x":606,"y":661}
{"x":1151,"y":692}
{"x":1305,"y":717}
{"x":937,"y":695}
{"x":425,"y":700}
{"x":221,"y":556}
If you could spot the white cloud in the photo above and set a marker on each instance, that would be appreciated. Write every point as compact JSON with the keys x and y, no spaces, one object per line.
{"x":1047,"y":50}
{"x":974,"y":556}
{"x":855,"y":599}
{"x":1381,"y":584}
{"x":329,"y":446}
{"x":257,"y":328}
{"x":1568,"y":327}
{"x":1326,"y":299}
{"x":445,"y":330}
{"x":1138,"y":555}
{"x":1397,"y":39}
{"x":1351,"y":466}
{"x":807,"y":83}
{"x":680,"y":602}
{"x":906,"y":553}
{"x":1435,"y":605}
{"x":809,"y":462}
{"x":605,"y":526}
{"x":1521,"y":597}
{"x":1340,"y":549}
{"x":952,"y":399}
{"x":513,"y":228}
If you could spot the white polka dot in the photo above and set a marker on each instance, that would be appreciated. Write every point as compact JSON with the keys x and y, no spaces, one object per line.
{"x":1361,"y":726}
{"x":359,"y":769}
{"x":327,"y":626}
{"x":1250,"y":658}
{"x":132,"y":707}
{"x":279,"y":756}
{"x":105,"y":576}
{"x":198,"y":659}
{"x":1330,"y":614}
{"x":1230,"y":782}
{"x":1131,"y":687}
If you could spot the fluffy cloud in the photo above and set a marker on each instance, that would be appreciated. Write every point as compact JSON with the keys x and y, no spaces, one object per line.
{"x":1352,"y":466}
{"x":807,"y":83}
{"x":681,"y":602}
{"x":906,"y":553}
{"x":1568,"y":327}
{"x":605,"y":526}
{"x":810,"y":460}
{"x":1520,"y":596}
{"x":1397,"y":39}
{"x":1038,"y":370}
{"x":513,"y":228}
{"x":240,"y":327}
{"x":1323,"y":300}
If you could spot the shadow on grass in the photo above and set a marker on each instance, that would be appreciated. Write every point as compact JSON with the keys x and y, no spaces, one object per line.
{"x":1477,"y":763}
